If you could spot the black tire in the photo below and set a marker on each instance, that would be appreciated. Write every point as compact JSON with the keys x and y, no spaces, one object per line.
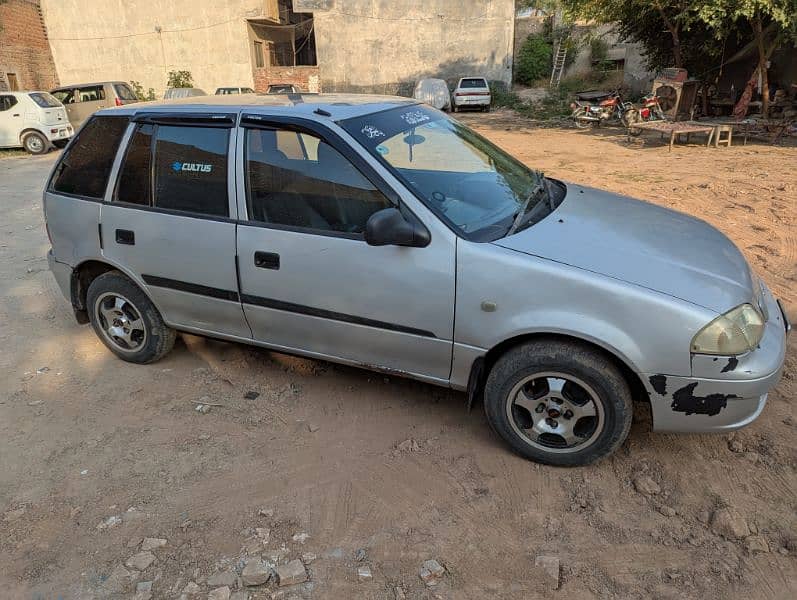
{"x":157,"y":338}
{"x":35,"y":143}
{"x":583,"y":364}
{"x":486,"y":108}
{"x":60,"y":144}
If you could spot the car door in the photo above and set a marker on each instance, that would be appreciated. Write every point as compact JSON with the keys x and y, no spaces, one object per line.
{"x":88,"y":100}
{"x":170,"y":220}
{"x":309,"y":282}
{"x":10,"y":120}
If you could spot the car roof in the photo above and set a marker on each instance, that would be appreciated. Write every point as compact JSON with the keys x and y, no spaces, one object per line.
{"x":23,"y":92}
{"x":339,"y":106}
{"x":77,"y":85}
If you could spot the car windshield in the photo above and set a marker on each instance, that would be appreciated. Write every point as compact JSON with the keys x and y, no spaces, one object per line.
{"x":469,"y":182}
{"x":44,"y":100}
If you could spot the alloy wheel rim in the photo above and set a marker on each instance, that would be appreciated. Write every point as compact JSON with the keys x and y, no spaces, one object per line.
{"x":555,"y":412}
{"x":120,"y":322}
{"x":34,"y":143}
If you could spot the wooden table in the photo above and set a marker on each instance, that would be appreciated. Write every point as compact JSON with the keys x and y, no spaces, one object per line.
{"x":676,"y":128}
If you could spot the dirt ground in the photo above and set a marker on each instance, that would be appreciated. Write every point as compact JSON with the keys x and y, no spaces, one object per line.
{"x":97,"y":454}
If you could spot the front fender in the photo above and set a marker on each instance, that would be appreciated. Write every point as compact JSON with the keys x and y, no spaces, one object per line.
{"x":641,"y":327}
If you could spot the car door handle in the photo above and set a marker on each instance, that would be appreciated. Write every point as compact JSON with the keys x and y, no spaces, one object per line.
{"x":267,"y":260}
{"x":15,"y":115}
{"x":126,"y":237}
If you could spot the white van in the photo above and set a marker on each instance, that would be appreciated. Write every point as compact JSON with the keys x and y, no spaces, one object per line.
{"x":35,"y":121}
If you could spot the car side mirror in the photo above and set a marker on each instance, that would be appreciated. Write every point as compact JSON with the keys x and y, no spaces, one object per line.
{"x":388,"y":227}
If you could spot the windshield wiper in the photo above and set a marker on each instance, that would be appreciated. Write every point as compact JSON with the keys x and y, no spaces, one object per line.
{"x":539,"y":188}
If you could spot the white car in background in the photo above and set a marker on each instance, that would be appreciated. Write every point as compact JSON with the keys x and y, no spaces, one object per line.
{"x":434,"y":92}
{"x":35,"y":121}
{"x":472,"y":92}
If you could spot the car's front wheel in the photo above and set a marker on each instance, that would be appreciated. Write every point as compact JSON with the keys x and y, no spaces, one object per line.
{"x":126,"y":320}
{"x":558,"y":402}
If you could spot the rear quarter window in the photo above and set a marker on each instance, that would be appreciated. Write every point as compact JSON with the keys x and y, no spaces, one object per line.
{"x":86,"y":164}
{"x":45,"y":100}
{"x":124,"y":92}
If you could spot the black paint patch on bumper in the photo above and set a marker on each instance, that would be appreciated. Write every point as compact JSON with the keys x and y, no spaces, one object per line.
{"x":658,"y":383}
{"x":685,"y":401}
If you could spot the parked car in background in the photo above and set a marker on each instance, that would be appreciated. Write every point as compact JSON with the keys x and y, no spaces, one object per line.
{"x":434,"y":92}
{"x":472,"y":92}
{"x":35,"y":121}
{"x":223,"y":91}
{"x":355,"y":228}
{"x":173,"y":93}
{"x":82,"y":101}
{"x":283,"y":88}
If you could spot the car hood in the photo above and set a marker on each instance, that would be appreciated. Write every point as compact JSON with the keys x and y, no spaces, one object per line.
{"x":642,"y":244}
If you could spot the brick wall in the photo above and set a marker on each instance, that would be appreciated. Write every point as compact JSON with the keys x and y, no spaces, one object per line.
{"x":24,"y":47}
{"x":304,"y":77}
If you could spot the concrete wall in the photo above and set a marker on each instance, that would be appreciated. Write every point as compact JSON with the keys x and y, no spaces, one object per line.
{"x":24,"y":49}
{"x":119,"y":39}
{"x":385,"y":46}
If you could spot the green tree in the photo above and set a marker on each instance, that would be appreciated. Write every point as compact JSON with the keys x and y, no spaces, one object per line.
{"x":180,"y":79}
{"x":534,"y":59}
{"x":773,"y":22}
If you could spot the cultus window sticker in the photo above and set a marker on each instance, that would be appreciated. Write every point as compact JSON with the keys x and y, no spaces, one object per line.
{"x":178,"y":167}
{"x":372,"y":132}
{"x":414,"y":117}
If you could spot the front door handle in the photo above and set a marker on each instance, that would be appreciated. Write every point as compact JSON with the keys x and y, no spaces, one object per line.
{"x":267,"y":260}
{"x":126,"y":237}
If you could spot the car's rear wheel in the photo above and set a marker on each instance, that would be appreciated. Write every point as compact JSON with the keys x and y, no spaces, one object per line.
{"x":35,"y":143}
{"x":558,"y":403}
{"x":126,"y":320}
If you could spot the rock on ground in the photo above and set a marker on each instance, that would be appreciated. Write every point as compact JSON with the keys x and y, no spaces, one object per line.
{"x":550,"y":566}
{"x":431,"y":571}
{"x":364,"y":573}
{"x":255,"y":573}
{"x":292,"y":573}
{"x":222,"y":593}
{"x":191,"y":589}
{"x":728,"y":523}
{"x":119,"y":580}
{"x":756,"y":544}
{"x":152,"y":543}
{"x":644,"y":484}
{"x":227,"y":578}
{"x":140,"y":561}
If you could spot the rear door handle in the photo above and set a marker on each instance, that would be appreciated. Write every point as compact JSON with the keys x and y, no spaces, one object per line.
{"x":267,"y":260}
{"x":126,"y":237}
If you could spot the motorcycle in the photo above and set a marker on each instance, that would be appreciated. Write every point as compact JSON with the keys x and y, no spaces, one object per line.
{"x":590,"y":109}
{"x":649,"y":111}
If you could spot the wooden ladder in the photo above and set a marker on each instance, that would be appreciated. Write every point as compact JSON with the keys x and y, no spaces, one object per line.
{"x":558,"y":63}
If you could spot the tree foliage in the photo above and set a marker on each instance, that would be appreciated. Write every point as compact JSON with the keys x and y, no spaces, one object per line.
{"x":180,"y":79}
{"x":534,"y":59}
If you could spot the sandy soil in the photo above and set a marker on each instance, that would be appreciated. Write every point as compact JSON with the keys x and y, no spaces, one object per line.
{"x":85,"y":437}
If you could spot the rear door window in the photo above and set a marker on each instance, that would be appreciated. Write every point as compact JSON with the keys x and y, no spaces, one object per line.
{"x":86,"y":165}
{"x":91,"y":93}
{"x":191,"y":169}
{"x":6,"y":102}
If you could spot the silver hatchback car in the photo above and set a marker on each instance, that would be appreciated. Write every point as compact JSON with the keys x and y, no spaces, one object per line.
{"x":380,"y":232}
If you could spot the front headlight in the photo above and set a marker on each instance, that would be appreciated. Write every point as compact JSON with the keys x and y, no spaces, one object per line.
{"x":736,"y":332}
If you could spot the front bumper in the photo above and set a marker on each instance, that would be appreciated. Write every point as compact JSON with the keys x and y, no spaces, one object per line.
{"x":724,"y":393}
